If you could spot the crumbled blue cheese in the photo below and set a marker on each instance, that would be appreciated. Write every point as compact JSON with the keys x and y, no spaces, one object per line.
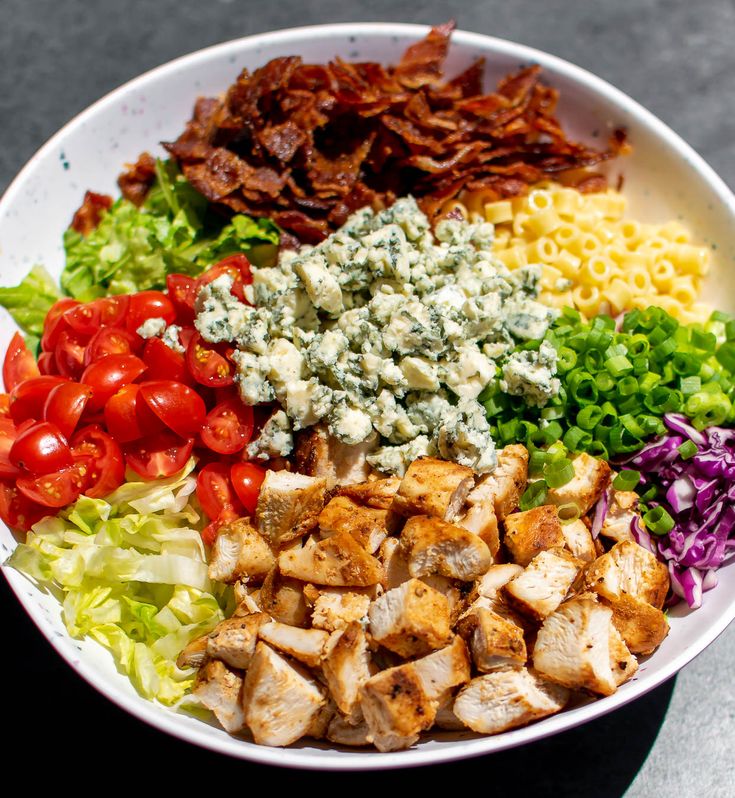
{"x":531,"y":375}
{"x":152,"y":328}
{"x":171,"y":337}
{"x":275,"y":439}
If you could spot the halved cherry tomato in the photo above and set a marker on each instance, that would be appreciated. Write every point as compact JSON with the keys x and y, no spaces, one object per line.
{"x":41,"y":449}
{"x":109,"y":341}
{"x":128,"y":417}
{"x":178,"y":406}
{"x":19,"y":363}
{"x":113,"y":309}
{"x":228,"y":427}
{"x":69,"y":353}
{"x":238,"y":267}
{"x":165,"y":363}
{"x":65,"y":405}
{"x":149,"y":305}
{"x":54,"y":323}
{"x":4,"y":405}
{"x":246,"y":480}
{"x":215,"y":492}
{"x":56,"y":489}
{"x":47,"y":363}
{"x":207,"y":365}
{"x":8,"y":434}
{"x":106,"y":469}
{"x":182,"y":291}
{"x":16,"y":510}
{"x":29,"y":397}
{"x":159,"y":455}
{"x":108,"y":375}
{"x":84,"y":319}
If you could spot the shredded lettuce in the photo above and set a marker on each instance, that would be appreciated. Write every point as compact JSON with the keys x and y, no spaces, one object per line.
{"x":131,"y":573}
{"x":29,"y":302}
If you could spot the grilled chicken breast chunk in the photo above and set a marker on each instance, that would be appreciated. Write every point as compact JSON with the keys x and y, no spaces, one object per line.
{"x":480,"y":519}
{"x":377,"y":493}
{"x":591,"y":478}
{"x":319,"y":454}
{"x":305,"y":645}
{"x":444,"y":670}
{"x":240,"y":551}
{"x":285,"y":502}
{"x":219,"y":688}
{"x":337,"y":561}
{"x":504,"y":486}
{"x":433,"y":487}
{"x":642,"y":627}
{"x":629,"y":569}
{"x":346,"y":667}
{"x":532,"y":531}
{"x":495,"y":642}
{"x":620,"y":513}
{"x":368,"y":526}
{"x":283,"y":599}
{"x":233,"y":640}
{"x":337,"y":608}
{"x":544,"y":583}
{"x":579,"y":541}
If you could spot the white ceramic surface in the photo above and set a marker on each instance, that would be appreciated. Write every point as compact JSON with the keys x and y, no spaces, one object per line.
{"x":663,"y":179}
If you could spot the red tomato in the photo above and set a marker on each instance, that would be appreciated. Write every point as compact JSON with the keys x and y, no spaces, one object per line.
{"x":4,"y":405}
{"x":69,"y":354}
{"x":57,"y":489}
{"x":165,"y":363}
{"x":108,"y":375}
{"x":19,"y":363}
{"x":207,"y":365}
{"x":238,"y":267}
{"x":8,"y":434}
{"x":160,"y":455}
{"x":182,"y":291}
{"x":41,"y":449}
{"x":215,"y":492}
{"x":109,"y":341}
{"x":16,"y":510}
{"x":149,"y":305}
{"x":54,"y":323}
{"x":229,"y":426}
{"x":178,"y":406}
{"x":28,"y":399}
{"x":65,"y":405}
{"x":210,"y":532}
{"x":47,"y":363}
{"x":84,"y":319}
{"x":106,"y":465}
{"x":247,"y":479}
{"x":128,"y":417}
{"x":113,"y":309}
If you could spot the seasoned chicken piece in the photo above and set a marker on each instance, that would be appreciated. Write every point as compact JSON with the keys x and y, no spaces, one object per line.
{"x":246,"y":597}
{"x":346,"y":667}
{"x":305,"y":645}
{"x":495,"y":642}
{"x":436,"y":547}
{"x":283,"y":599}
{"x":377,"y":493}
{"x":320,"y":454}
{"x":411,"y":620}
{"x":194,"y":654}
{"x":591,"y":478}
{"x":220,"y":689}
{"x":629,"y":569}
{"x":642,"y":627}
{"x":240,"y":551}
{"x":337,"y":608}
{"x":573,"y":646}
{"x":337,"y":561}
{"x":396,"y":708}
{"x":481,"y":520}
{"x":622,"y":663}
{"x":342,"y":732}
{"x":443,"y":670}
{"x":285,"y":503}
{"x":504,"y":486}
{"x":319,"y":725}
{"x":446,"y":719}
{"x":495,"y":577}
{"x":367,"y":525}
{"x":528,"y":533}
{"x":621,"y":511}
{"x":579,"y":540}
{"x":544,"y":583}
{"x":433,"y":487}
{"x":281,"y":700}
{"x":506,"y":699}
{"x":233,"y":640}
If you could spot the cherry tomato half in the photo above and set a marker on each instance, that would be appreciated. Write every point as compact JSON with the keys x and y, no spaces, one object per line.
{"x":178,"y":406}
{"x":106,"y":466}
{"x":19,"y":363}
{"x":161,"y":455}
{"x":246,"y":480}
{"x":207,"y":365}
{"x":69,"y":354}
{"x":47,"y":363}
{"x":228,"y":427}
{"x":40,"y":449}
{"x":65,"y":405}
{"x":109,"y":341}
{"x":238,"y":267}
{"x":27,"y":399}
{"x":84,"y":319}
{"x":215,"y":492}
{"x":18,"y":511}
{"x":113,"y":309}
{"x":4,"y":405}
{"x":128,"y":417}
{"x":182,"y":291}
{"x":149,"y":305}
{"x":56,"y":489}
{"x":54,"y":323}
{"x":165,"y":363}
{"x":108,"y":375}
{"x":8,"y":434}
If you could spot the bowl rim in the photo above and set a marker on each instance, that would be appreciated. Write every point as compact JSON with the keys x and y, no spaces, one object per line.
{"x":155,"y":715}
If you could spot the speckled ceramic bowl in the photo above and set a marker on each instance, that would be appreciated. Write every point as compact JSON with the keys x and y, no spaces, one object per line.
{"x":663,"y":179}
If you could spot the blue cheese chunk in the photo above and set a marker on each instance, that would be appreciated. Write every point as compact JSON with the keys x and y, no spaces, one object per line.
{"x":275,"y":439}
{"x":321,"y":285}
{"x":252,"y":377}
{"x":464,"y":437}
{"x":171,"y":337}
{"x":531,"y":375}
{"x":396,"y":459}
{"x":349,"y":424}
{"x":152,"y":328}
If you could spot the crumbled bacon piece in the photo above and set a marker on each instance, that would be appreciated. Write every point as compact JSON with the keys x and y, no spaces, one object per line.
{"x":137,"y":180}
{"x":90,"y":212}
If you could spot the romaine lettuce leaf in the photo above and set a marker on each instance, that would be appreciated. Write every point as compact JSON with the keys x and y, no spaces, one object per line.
{"x":29,"y":302}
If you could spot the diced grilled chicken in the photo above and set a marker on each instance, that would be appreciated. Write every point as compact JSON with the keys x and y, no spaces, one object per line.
{"x":622,"y":663}
{"x":233,"y":640}
{"x":283,"y":599}
{"x":377,"y":493}
{"x":337,"y":608}
{"x":543,"y":585}
{"x":219,"y":688}
{"x":506,"y":699}
{"x":591,"y":478}
{"x":496,"y":576}
{"x":411,"y":620}
{"x":629,"y":569}
{"x":495,"y":642}
{"x":319,"y":725}
{"x":240,"y":551}
{"x":346,"y":667}
{"x":285,"y":503}
{"x":281,"y":700}
{"x":194,"y":654}
{"x":337,"y":561}
{"x":342,"y":732}
{"x":573,"y":646}
{"x":246,"y":597}
{"x":436,"y":547}
{"x":367,"y":525}
{"x":305,"y":645}
{"x":396,"y":708}
{"x":445,"y":717}
{"x":642,"y":627}
{"x":480,"y":519}
{"x":579,"y":540}
{"x":443,"y":670}
{"x":532,"y":531}
{"x":433,"y":487}
{"x":320,"y":454}
{"x":504,"y":486}
{"x":620,"y":513}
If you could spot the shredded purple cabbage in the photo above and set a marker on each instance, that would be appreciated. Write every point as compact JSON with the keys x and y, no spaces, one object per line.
{"x":600,"y":513}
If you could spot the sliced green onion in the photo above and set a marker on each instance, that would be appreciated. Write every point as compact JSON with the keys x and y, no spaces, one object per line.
{"x":589,"y":417}
{"x":558,"y":473}
{"x":658,"y":521}
{"x":687,"y":449}
{"x":626,"y":480}
{"x":618,"y":365}
{"x":568,"y":512}
{"x":534,"y":495}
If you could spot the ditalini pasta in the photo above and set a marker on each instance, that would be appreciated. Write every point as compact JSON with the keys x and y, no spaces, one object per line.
{"x":593,"y":258}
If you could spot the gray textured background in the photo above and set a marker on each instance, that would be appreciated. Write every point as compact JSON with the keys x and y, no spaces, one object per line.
{"x":678,"y":59}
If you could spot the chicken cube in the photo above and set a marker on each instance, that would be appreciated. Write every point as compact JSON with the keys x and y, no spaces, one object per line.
{"x":433,"y":487}
{"x":629,"y":569}
{"x":283,"y":599}
{"x":579,"y":541}
{"x":622,"y":663}
{"x":506,"y":699}
{"x":240,"y":551}
{"x":342,"y":732}
{"x":446,"y":719}
{"x":504,"y":486}
{"x":621,"y":511}
{"x":410,"y":620}
{"x":337,"y":608}
{"x":496,"y":576}
{"x":543,"y":585}
{"x":346,"y":667}
{"x":436,"y":547}
{"x":443,"y":670}
{"x":305,"y":645}
{"x":337,"y":561}
{"x":495,"y":642}
{"x":319,"y":454}
{"x":285,"y":502}
{"x":280,"y":699}
{"x":642,"y":627}
{"x":193,"y":655}
{"x":480,"y":519}
{"x":591,"y":478}
{"x":366,"y":524}
{"x":219,"y":688}
{"x":377,"y":493}
{"x":532,"y":531}
{"x":233,"y":640}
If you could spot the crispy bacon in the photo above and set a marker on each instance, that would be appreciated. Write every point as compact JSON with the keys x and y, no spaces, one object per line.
{"x":90,"y":212}
{"x":137,"y":180}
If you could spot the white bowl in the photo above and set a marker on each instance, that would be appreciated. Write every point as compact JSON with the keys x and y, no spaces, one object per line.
{"x":663,"y":179}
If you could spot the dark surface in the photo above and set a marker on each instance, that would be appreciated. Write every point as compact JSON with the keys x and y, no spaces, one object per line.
{"x":678,"y":59}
